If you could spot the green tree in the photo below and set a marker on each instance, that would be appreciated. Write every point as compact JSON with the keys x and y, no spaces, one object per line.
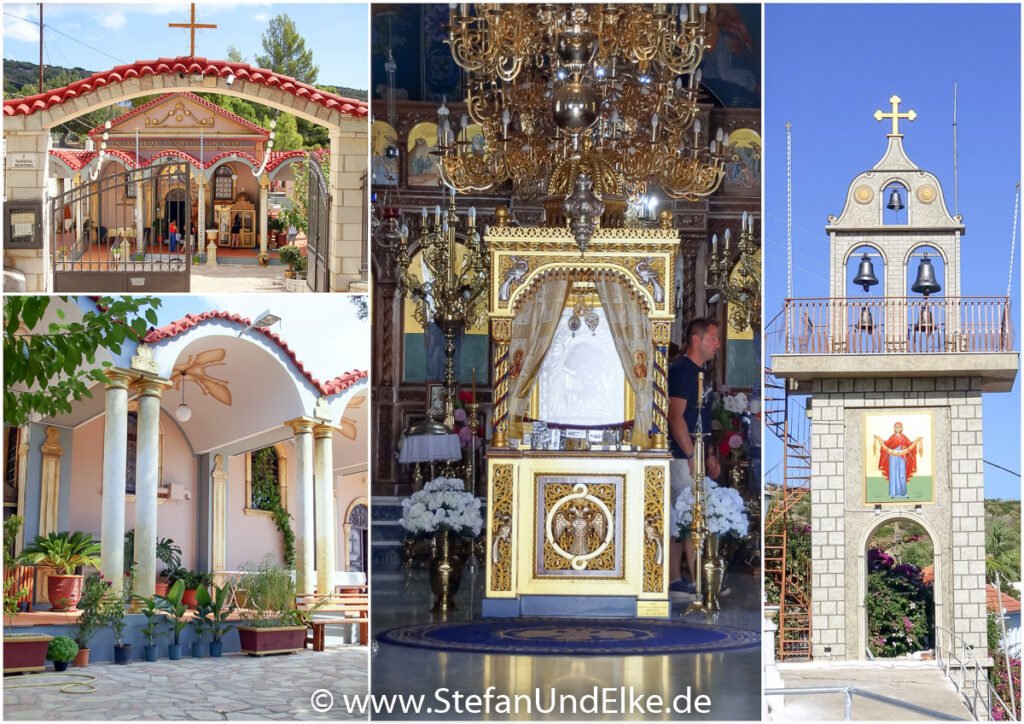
{"x":1002,"y":550}
{"x":286,"y":51}
{"x":235,"y":55}
{"x":286,"y":135}
{"x":295,"y":214}
{"x":44,"y":367}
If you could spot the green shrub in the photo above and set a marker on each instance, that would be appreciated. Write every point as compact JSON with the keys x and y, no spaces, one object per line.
{"x":900,"y":607}
{"x":64,"y":551}
{"x":61,"y":648}
{"x":269,"y":594}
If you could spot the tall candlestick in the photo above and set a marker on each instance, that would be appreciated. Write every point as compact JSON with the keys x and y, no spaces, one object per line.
{"x":474,"y":385}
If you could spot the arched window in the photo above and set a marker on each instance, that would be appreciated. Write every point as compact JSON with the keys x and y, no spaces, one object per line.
{"x":266,"y":480}
{"x":357,"y":526}
{"x":10,"y":472}
{"x":223,"y":184}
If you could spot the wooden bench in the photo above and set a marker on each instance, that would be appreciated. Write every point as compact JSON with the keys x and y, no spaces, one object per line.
{"x":350,"y":604}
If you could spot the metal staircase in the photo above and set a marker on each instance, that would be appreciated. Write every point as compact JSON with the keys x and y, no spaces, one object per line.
{"x":786,"y":417}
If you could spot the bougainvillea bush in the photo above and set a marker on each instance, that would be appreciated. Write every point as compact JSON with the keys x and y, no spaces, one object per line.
{"x":900,"y":607}
{"x":998,"y":677}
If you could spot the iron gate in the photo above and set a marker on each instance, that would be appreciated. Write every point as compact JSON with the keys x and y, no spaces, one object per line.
{"x":318,"y":222}
{"x":112,"y":234}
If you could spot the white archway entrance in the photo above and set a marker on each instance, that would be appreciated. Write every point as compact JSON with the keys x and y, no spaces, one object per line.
{"x":26,"y":134}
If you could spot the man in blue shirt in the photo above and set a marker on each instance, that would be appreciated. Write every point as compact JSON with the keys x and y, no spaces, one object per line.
{"x":701,"y":345}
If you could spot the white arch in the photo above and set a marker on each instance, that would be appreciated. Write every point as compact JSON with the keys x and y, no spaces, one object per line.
{"x":862,"y":572}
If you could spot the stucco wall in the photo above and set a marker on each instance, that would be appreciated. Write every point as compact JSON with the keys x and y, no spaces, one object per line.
{"x":176,"y":519}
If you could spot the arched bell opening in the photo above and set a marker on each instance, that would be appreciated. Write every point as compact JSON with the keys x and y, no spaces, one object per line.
{"x":866,"y":290}
{"x":894,"y":199}
{"x":925,"y":275}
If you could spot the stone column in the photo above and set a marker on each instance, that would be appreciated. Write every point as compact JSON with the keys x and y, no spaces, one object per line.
{"x":115,"y":450}
{"x":50,"y":484}
{"x":324,"y":513}
{"x":264,"y":207}
{"x":218,"y":514}
{"x":304,"y":533}
{"x":147,"y":480}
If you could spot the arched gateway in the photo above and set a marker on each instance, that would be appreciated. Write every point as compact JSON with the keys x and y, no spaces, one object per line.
{"x":337,"y":259}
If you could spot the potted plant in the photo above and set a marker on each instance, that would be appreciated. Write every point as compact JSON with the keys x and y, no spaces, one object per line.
{"x":192,"y":580}
{"x":159,"y":229}
{"x":90,"y":618}
{"x":151,"y":609}
{"x":211,"y":608}
{"x":273,"y":625}
{"x":22,"y":652}
{"x":65,"y":552}
{"x":176,"y":610}
{"x":61,"y":650}
{"x":199,"y":625}
{"x":168,"y":553}
{"x":291,"y":256}
{"x":113,"y":617}
{"x":115,"y":253}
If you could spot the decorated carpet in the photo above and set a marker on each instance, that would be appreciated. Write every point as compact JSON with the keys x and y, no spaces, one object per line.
{"x":572,"y":637}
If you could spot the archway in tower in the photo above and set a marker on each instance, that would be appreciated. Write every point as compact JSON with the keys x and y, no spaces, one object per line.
{"x":899,"y":601}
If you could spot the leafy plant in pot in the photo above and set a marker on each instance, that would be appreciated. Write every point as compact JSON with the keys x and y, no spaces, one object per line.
{"x":61,"y":651}
{"x":211,"y":608}
{"x":22,"y":652}
{"x":291,"y":256}
{"x":152,"y":610}
{"x":176,"y":610}
{"x":113,"y":616}
{"x":191,"y":580}
{"x":90,"y":617}
{"x":273,"y":625}
{"x":65,"y":552}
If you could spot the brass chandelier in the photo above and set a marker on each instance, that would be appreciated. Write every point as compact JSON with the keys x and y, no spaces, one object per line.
{"x":609,"y":91}
{"x":742,"y":288}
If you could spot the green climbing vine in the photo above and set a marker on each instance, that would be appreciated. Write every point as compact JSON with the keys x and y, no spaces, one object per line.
{"x":266,"y":495}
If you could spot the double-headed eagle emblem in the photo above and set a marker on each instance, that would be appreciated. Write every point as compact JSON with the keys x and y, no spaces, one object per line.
{"x":581,"y":521}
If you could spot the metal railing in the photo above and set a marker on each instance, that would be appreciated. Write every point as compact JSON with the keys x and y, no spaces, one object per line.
{"x":897,"y":325}
{"x":849,"y":692}
{"x":955,"y":653}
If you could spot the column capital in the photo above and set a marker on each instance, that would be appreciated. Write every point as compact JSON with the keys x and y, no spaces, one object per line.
{"x":149,"y":386}
{"x":323,"y":430}
{"x":119,"y":379}
{"x":301,"y":424}
{"x":264,"y":181}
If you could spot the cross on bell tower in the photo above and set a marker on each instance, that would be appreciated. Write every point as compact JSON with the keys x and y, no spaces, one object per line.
{"x":191,"y":25}
{"x":895,"y":115}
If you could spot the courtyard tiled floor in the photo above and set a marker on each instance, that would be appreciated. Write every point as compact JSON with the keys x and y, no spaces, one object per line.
{"x":234,"y":687}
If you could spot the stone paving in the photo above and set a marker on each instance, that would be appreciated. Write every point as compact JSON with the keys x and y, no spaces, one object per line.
{"x":237,"y":278}
{"x":233,"y":687}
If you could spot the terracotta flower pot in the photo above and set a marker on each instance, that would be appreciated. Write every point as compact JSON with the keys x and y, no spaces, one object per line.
{"x":26,"y":653}
{"x":82,"y":658}
{"x":161,"y":589}
{"x":275,"y":640}
{"x":64,"y":591}
{"x":189,"y":598}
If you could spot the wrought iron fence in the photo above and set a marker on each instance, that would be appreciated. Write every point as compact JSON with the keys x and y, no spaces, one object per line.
{"x":957,"y":660}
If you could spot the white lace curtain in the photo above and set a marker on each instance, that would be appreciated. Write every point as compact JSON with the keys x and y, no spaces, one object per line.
{"x":633,"y":335}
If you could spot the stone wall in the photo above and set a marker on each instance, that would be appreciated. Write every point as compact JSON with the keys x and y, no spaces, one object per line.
{"x":842,"y":523}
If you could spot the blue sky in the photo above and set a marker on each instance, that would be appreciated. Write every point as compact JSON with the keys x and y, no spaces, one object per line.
{"x":337,"y":33}
{"x":827,"y":68}
{"x":324,"y":331}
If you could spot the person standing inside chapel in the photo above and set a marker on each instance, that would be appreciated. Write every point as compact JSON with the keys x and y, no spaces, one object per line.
{"x":702,"y":343}
{"x":172,"y":231}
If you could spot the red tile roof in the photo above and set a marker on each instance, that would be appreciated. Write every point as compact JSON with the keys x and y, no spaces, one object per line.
{"x":1011,"y":604}
{"x":76,"y":159}
{"x":327,"y":389}
{"x":191,"y":66}
{"x":192,"y":97}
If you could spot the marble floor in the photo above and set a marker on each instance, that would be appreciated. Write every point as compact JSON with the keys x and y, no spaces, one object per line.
{"x":731,"y":679}
{"x":304,"y":685}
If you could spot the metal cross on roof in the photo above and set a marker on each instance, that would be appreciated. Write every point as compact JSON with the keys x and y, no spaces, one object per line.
{"x":895,"y":115}
{"x":192,"y":25}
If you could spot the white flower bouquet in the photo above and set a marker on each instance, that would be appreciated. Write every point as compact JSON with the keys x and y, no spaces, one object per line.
{"x":724,"y":511}
{"x":735,"y":404}
{"x":442,"y":504}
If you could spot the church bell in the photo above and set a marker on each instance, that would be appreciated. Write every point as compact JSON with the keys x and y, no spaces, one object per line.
{"x":866,"y":274}
{"x":866,"y":323}
{"x":925,"y":283}
{"x":895,"y":200}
